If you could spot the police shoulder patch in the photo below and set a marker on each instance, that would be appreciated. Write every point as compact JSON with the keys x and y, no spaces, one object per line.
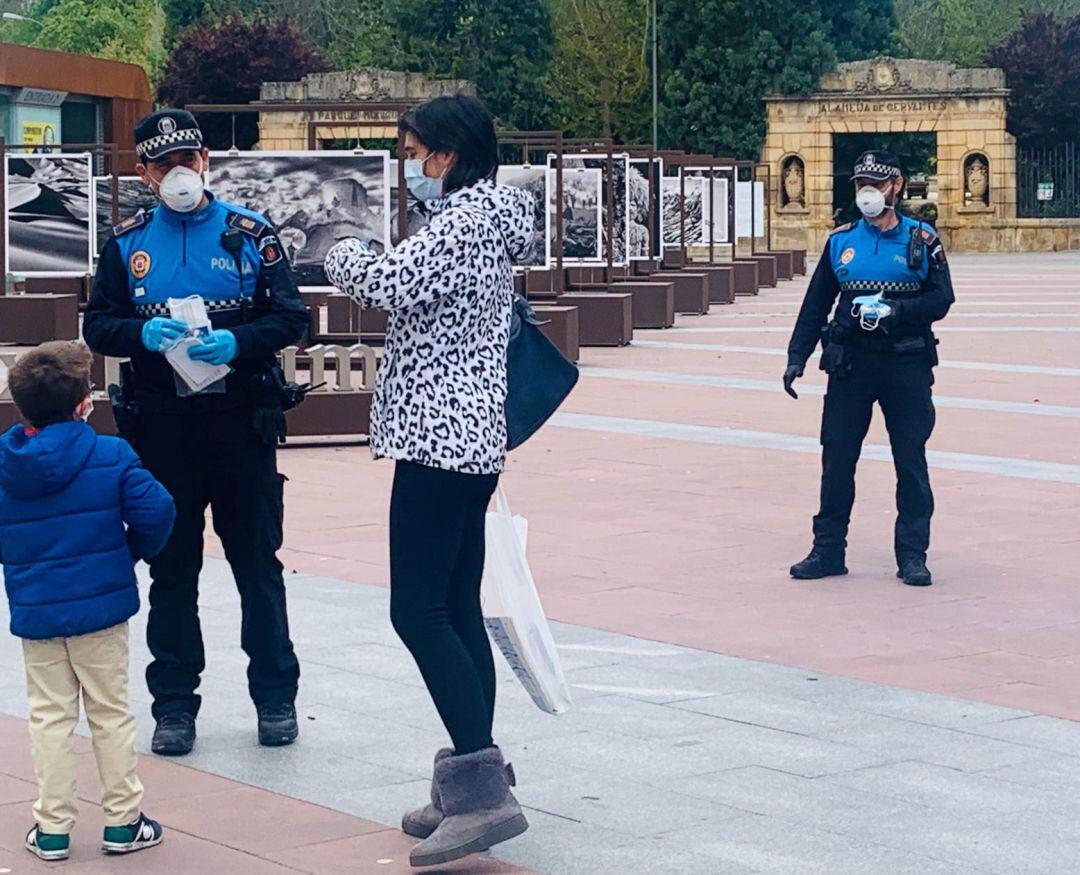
{"x":131,"y":223}
{"x":253,"y":227}
{"x":847,"y":226}
{"x":270,"y":250}
{"x":933,"y":244}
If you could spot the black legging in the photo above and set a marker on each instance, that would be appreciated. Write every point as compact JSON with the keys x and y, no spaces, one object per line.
{"x":436,"y":563}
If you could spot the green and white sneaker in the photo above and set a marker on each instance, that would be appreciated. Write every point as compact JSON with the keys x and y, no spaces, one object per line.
{"x":47,"y":846}
{"x":137,"y":835}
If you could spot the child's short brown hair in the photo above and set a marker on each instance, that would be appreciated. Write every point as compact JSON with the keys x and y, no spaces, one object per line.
{"x":49,"y":382}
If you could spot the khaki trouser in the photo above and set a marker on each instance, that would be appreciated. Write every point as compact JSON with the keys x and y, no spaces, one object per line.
{"x":56,"y":670}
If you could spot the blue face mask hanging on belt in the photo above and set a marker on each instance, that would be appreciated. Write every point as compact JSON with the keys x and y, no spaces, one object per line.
{"x":422,"y":187}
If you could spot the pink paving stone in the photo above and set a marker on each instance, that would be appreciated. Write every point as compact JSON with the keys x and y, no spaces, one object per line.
{"x":628,"y":531}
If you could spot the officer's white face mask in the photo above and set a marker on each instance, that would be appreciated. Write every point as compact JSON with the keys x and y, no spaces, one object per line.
{"x":181,"y":189}
{"x":870,"y":201}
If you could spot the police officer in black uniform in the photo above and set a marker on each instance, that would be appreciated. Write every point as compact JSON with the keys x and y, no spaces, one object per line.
{"x":216,"y":446}
{"x":892,"y":280}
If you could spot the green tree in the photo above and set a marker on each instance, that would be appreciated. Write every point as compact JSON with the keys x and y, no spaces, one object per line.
{"x":227,"y":62}
{"x":961,"y":31}
{"x":1041,"y":60}
{"x":350,"y":33}
{"x":599,"y":77}
{"x":720,"y":58}
{"x":121,"y":30}
{"x":504,"y":46}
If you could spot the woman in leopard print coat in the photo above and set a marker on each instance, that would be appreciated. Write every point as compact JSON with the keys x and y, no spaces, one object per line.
{"x":439,"y":411}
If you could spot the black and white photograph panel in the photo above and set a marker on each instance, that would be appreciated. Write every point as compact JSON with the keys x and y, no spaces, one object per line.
{"x":47,"y":216}
{"x":614,"y":173}
{"x":417,"y":214}
{"x":683,"y":220}
{"x":714,"y":203}
{"x":314,"y":199}
{"x":132,"y":195}
{"x":534,"y":180}
{"x":644,"y":207}
{"x":579,"y":213}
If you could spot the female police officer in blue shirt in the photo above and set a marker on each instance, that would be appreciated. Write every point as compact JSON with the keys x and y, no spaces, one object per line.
{"x":216,"y":447}
{"x":893,"y":283}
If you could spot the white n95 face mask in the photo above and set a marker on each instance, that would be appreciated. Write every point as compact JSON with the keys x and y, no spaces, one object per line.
{"x":870,"y":201}
{"x":181,"y":189}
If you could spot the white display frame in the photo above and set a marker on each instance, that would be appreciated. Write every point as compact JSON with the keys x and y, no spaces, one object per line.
{"x":658,"y":205}
{"x":602,"y":261}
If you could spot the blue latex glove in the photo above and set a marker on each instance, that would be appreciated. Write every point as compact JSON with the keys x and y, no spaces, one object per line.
{"x":217,"y":348}
{"x":161,"y":332}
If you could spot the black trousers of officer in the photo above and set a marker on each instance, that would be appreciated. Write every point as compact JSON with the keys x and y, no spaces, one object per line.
{"x":214,"y":459}
{"x":901,"y":383}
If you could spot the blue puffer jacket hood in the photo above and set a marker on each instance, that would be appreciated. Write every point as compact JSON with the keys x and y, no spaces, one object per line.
{"x":32,"y":466}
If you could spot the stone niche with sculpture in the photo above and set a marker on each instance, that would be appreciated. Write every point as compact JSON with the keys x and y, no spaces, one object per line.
{"x":976,"y":179}
{"x":793,"y":184}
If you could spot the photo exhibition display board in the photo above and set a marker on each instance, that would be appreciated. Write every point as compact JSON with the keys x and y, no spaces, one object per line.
{"x":614,"y":173}
{"x":47,"y":216}
{"x":314,"y":199}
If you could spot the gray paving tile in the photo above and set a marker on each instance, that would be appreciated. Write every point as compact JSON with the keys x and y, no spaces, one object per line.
{"x":1048,"y":770}
{"x":781,"y":847}
{"x":918,"y":707}
{"x":973,"y":796}
{"x":759,"y":790}
{"x":904,"y":740}
{"x":995,"y":847}
{"x":581,"y":849}
{"x":1038,"y":731}
{"x":629,"y":807}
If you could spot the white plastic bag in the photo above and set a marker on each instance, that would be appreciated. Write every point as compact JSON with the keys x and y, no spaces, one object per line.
{"x":513,"y":614}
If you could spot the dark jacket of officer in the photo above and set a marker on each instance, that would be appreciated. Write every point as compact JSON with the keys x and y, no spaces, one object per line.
{"x":859,"y":260}
{"x":160,"y":254}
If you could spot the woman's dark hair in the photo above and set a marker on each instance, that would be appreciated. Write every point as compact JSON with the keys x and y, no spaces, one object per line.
{"x":460,"y":124}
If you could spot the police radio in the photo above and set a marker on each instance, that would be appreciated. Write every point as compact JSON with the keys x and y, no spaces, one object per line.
{"x":916,"y":249}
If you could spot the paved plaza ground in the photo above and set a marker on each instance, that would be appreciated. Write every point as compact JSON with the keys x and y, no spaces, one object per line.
{"x":727,"y":719}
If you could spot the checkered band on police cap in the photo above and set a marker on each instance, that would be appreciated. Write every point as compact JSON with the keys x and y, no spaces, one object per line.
{"x":168,"y":130}
{"x":877,"y":165}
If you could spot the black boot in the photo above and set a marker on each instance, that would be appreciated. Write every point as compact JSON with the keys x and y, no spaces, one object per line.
{"x":819,"y":564}
{"x":277,"y":724}
{"x":913,"y":571}
{"x":174,"y":735}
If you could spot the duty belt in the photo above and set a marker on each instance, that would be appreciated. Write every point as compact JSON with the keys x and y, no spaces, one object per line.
{"x":162,"y":308}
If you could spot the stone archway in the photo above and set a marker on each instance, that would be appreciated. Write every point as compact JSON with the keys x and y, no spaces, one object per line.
{"x":965,"y":108}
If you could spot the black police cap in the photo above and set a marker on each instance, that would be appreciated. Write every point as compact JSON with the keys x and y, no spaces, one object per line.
{"x":167,"y":130}
{"x":877,"y":165}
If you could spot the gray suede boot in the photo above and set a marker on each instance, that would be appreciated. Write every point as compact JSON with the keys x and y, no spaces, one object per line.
{"x":477,"y":806}
{"x":421,"y":822}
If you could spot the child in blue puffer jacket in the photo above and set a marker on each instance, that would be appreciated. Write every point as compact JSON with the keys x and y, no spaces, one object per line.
{"x":76,"y":512}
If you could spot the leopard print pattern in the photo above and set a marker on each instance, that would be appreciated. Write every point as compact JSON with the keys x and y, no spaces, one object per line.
{"x":440,"y":392}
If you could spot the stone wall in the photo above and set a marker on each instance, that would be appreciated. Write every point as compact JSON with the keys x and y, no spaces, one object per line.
{"x":288,"y":130}
{"x":964,"y":108}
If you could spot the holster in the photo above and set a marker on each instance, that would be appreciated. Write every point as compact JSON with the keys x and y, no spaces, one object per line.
{"x":267,"y":407}
{"x":835,"y":358}
{"x":125,"y":408}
